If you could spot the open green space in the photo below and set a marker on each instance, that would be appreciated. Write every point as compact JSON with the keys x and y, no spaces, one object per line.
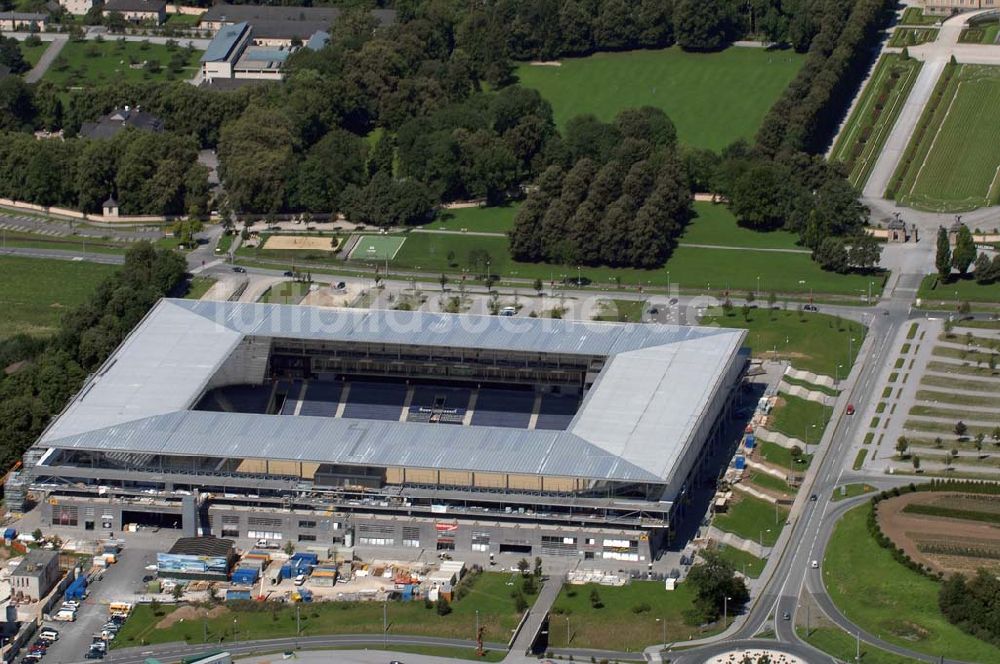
{"x":916,"y":16}
{"x":743,"y":562}
{"x":953,"y":513}
{"x":620,"y":311}
{"x":489,"y":594}
{"x":499,"y":219}
{"x":286,"y":292}
{"x":26,"y":240}
{"x":953,"y":165}
{"x":198,"y":287}
{"x":851,"y":490}
{"x":886,"y":598}
{"x":973,"y":356}
{"x":962,"y":399}
{"x":770,"y":482}
{"x":713,"y":99}
{"x":182,"y":20}
{"x":377,"y":247}
{"x":934,"y":292}
{"x":830,"y":391}
{"x":716,"y":225}
{"x":985,"y":386}
{"x":33,"y":53}
{"x":800,"y":418}
{"x":90,"y":63}
{"x":955,"y":414}
{"x":811,"y":341}
{"x":782,"y":456}
{"x":225,"y":243}
{"x":903,"y":37}
{"x":626,"y":619}
{"x":860,"y":143}
{"x":36,"y":292}
{"x":752,"y":519}
{"x":981,"y":32}
{"x":843,"y":646}
{"x":980,"y":371}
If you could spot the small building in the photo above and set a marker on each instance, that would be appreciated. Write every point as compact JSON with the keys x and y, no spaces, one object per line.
{"x":114,"y":122}
{"x":236,"y":53}
{"x":138,"y":11}
{"x":898,"y":230}
{"x":35,"y":575}
{"x":110,"y":207}
{"x":947,"y":8}
{"x":23,"y":21}
{"x":202,"y":558}
{"x":282,"y":26}
{"x":77,"y":7}
{"x":953,"y":231}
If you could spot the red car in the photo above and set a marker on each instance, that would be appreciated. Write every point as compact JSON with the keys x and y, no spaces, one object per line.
{"x":850,"y":409}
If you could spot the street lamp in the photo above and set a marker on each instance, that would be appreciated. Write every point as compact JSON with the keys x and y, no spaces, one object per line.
{"x":761,"y":538}
{"x":664,"y":621}
{"x":725,"y":611}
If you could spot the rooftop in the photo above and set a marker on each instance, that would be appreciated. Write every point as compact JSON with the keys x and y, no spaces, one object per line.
{"x":156,"y":6}
{"x":114,"y":122}
{"x":636,"y":420}
{"x":225,"y":40}
{"x":278,"y":22}
{"x":203,"y":546}
{"x":35,"y":563}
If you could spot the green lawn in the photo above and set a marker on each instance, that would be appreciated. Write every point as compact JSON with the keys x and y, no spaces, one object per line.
{"x":620,"y":311}
{"x":752,"y":519}
{"x":800,"y":418}
{"x":33,"y":53}
{"x":843,"y":646}
{"x":782,"y":457}
{"x":955,"y":163}
{"x":490,"y":594}
{"x":182,"y":20}
{"x":89,"y":63}
{"x":934,"y":293}
{"x":982,"y":32}
{"x":198,"y":287}
{"x":812,"y":341}
{"x":768,"y":481}
{"x":482,"y":219}
{"x":894,"y":78}
{"x":888,"y":599}
{"x":984,"y":386}
{"x":716,"y":225}
{"x":36,"y":292}
{"x":623,"y":622}
{"x":830,"y":391}
{"x":742,"y":561}
{"x":21,"y":239}
{"x":714,"y":99}
{"x":224,"y":243}
{"x":851,"y":490}
{"x":286,"y":292}
{"x":912,"y":36}
{"x":915,"y":16}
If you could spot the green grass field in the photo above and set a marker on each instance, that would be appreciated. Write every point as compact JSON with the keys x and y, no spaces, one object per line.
{"x":934,"y":293}
{"x":800,"y":418}
{"x":852,"y":490}
{"x":810,"y":386}
{"x":843,"y":646}
{"x":859,"y":153}
{"x":620,"y":624}
{"x":743,"y":562}
{"x":377,"y":247}
{"x":182,"y":20}
{"x":915,"y":16}
{"x":198,"y":287}
{"x":36,"y":292}
{"x":286,"y":292}
{"x":956,"y":165}
{"x":768,"y":481}
{"x":89,"y":63}
{"x":752,"y":519}
{"x":22,"y":239}
{"x":33,"y":53}
{"x":982,"y":32}
{"x":478,"y":219}
{"x":912,"y":36}
{"x":716,"y":225}
{"x":490,"y":594}
{"x":886,"y":598}
{"x":811,"y":341}
{"x":620,"y":311}
{"x":782,"y":457}
{"x":713,"y":99}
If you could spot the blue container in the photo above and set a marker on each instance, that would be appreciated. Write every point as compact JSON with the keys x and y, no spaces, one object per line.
{"x":10,"y":533}
{"x":749,"y":442}
{"x":237,"y":595}
{"x":741,"y":463}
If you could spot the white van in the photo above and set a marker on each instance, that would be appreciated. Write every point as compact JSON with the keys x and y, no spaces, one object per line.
{"x":300,"y":579}
{"x":49,"y":634}
{"x":65,"y":615}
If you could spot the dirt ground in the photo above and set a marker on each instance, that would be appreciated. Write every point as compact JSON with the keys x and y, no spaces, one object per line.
{"x":311,"y":242}
{"x":191,"y":613}
{"x":331,"y":297}
{"x":910,"y":530}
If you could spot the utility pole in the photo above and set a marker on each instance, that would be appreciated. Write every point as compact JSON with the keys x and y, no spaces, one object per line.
{"x":477,"y":623}
{"x":857,"y":652}
{"x":298,"y":623}
{"x":385,"y":624}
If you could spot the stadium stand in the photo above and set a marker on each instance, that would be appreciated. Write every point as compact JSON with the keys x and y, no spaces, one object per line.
{"x":321,"y":398}
{"x":556,"y":411}
{"x":445,"y":405}
{"x":503,"y":408}
{"x":237,"y":399}
{"x":375,"y":401}
{"x":292,"y":397}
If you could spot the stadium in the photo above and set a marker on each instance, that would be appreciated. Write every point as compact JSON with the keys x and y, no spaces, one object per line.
{"x":390,"y":429}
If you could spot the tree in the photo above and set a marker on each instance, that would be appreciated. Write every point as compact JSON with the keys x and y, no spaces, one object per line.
{"x":537,"y":285}
{"x":965,"y":250}
{"x":177,"y":592}
{"x":443,"y":606}
{"x":760,"y":196}
{"x":961,"y":429}
{"x":255,"y":156}
{"x":37,"y":534}
{"x":901,"y":445}
{"x":942,"y":259}
{"x":915,"y":460}
{"x":701,"y":25}
{"x":983,"y":272}
{"x":289,"y":548}
{"x":523,"y":566}
{"x":980,"y":437}
{"x":715,"y":583}
{"x":538,"y":566}
{"x":11,"y":56}
{"x":865,"y":252}
{"x":832,"y":255}
{"x":443,"y":280}
{"x":595,"y":599}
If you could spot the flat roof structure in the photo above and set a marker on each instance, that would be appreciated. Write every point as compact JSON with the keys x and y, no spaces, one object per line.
{"x":637,"y":422}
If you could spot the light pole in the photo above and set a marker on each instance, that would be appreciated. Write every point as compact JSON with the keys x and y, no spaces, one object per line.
{"x":567,"y":630}
{"x":668,"y":282}
{"x":664,"y":621}
{"x":477,"y":623}
{"x":579,"y":278}
{"x":725,"y":611}
{"x":236,"y":632}
{"x":385,"y":624}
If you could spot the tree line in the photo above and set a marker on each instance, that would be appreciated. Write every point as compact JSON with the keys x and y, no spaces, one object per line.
{"x":148,"y":173}
{"x":621,"y":196}
{"x":973,"y":604}
{"x":46,"y":373}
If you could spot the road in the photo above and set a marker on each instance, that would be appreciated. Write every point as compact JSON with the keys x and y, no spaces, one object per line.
{"x":50,"y":54}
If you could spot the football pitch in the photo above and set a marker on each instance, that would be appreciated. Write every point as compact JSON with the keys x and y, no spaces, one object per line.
{"x":956,"y":166}
{"x":377,"y":247}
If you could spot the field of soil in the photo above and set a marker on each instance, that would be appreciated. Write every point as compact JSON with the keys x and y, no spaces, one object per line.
{"x":946,"y":544}
{"x":311,"y":242}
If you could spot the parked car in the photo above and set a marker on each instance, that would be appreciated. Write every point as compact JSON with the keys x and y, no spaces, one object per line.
{"x":288,"y":273}
{"x":810,"y":307}
{"x":239,"y":269}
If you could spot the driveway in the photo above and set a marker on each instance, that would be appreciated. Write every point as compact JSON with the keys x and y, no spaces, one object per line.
{"x":47,"y":58}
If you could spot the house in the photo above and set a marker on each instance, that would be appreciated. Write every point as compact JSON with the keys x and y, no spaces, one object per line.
{"x":23,"y":21}
{"x":138,"y":11}
{"x":35,"y":575}
{"x":77,"y":7}
{"x":949,"y":7}
{"x":236,"y":53}
{"x":281,"y":26}
{"x":110,"y":207}
{"x":117,"y":120}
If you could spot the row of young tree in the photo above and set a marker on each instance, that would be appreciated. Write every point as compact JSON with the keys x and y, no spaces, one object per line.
{"x":963,"y":257}
{"x":622,"y":202}
{"x":148,"y":173}
{"x":46,"y":373}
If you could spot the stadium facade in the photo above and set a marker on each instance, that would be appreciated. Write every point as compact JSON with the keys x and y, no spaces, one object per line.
{"x":390,"y":429}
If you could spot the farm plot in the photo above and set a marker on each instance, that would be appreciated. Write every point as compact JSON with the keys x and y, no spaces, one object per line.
{"x":310,"y":242}
{"x":954,"y":164}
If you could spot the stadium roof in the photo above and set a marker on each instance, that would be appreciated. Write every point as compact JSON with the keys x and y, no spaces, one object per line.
{"x":634,"y":425}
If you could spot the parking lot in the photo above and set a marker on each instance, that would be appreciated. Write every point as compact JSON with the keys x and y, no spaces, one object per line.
{"x":120,"y":582}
